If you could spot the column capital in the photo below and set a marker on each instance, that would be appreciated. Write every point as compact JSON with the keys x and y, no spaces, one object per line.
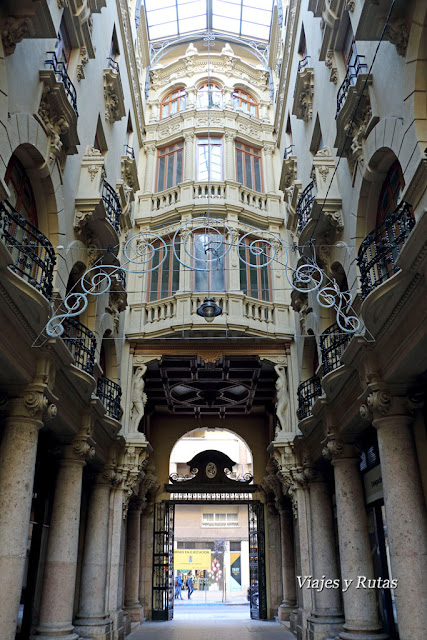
{"x":382,"y":402}
{"x":336,"y":449}
{"x":150,"y":148}
{"x":32,"y":404}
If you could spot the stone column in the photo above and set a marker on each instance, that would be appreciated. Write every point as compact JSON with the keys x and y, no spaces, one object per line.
{"x":59,"y":582}
{"x":327,"y":617}
{"x":288,"y":561}
{"x":146,"y":556}
{"x":150,"y":161}
{"x":133,"y":560}
{"x":268,"y":168}
{"x":18,"y":451}
{"x":229,"y":153}
{"x":405,"y":508}
{"x":301,"y":508}
{"x":115,"y":599}
{"x":92,"y":618}
{"x":189,"y":168}
{"x":360,"y":604}
{"x":273,"y":539}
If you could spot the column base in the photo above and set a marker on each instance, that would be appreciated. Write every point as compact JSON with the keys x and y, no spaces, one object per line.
{"x":134,"y":611}
{"x":55,"y":632}
{"x":322,"y":628}
{"x":284,"y":611}
{"x":352,"y":633}
{"x":118,"y":632}
{"x":94,"y":628}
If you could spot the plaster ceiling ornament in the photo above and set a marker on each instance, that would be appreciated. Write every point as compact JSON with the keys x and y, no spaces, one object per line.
{"x":198,"y":245}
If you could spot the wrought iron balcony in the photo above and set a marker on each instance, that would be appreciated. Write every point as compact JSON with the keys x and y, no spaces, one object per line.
{"x":379,"y":251}
{"x":333,"y":342}
{"x":288,"y":151}
{"x":307,"y":393}
{"x":302,"y":64}
{"x":110,"y":394}
{"x":305,"y":205}
{"x":81,"y":343}
{"x":33,"y":255}
{"x":112,"y":206}
{"x":353,"y":71}
{"x":112,"y":64}
{"x":61,"y":75}
{"x":129,"y":152}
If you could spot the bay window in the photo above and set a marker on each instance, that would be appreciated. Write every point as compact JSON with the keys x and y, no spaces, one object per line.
{"x":169,"y":166}
{"x":248,"y":166}
{"x":209,"y":159}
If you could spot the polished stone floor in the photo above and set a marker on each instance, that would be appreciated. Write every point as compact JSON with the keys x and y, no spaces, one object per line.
{"x":219,"y":622}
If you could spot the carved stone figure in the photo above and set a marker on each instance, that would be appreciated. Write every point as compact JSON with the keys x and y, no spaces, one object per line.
{"x":282,"y":396}
{"x":139,"y":398}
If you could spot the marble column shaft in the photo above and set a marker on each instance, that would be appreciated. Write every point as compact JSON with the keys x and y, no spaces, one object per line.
{"x":57,"y":602}
{"x":18,"y":452}
{"x":288,"y":562}
{"x":92,"y":600}
{"x":406,"y":521}
{"x":360,"y":605}
{"x":133,"y":560}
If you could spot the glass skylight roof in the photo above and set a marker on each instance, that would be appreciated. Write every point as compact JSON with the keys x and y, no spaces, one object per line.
{"x":245,"y":18}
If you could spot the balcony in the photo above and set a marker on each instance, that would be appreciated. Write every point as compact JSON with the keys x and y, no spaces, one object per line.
{"x":333,"y":342}
{"x":32,"y":254}
{"x":379,"y":251}
{"x":113,"y":92}
{"x":129,"y":178}
{"x":112,"y":206}
{"x":304,"y":91}
{"x":307,"y":394}
{"x":196,"y":195}
{"x":305,"y":205}
{"x":289,"y":168}
{"x":240,"y":313}
{"x":58,"y":107}
{"x":25,"y":19}
{"x":110,"y":394}
{"x":353,"y":72}
{"x":81,"y":343}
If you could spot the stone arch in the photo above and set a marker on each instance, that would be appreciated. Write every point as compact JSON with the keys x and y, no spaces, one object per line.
{"x":27,"y":140}
{"x":249,"y":89}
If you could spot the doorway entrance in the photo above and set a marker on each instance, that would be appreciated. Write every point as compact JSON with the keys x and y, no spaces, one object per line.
{"x":163,"y":549}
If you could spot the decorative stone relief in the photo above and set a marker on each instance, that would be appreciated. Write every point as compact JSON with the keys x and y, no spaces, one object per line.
{"x":139,"y":398}
{"x":334,"y":447}
{"x":13,"y":31}
{"x":84,"y":59}
{"x":303,"y":97}
{"x":329,"y":63}
{"x":282,"y":397}
{"x":113,"y":96}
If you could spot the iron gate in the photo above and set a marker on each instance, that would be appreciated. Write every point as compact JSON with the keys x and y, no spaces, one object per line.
{"x":257,"y":588}
{"x":163,"y":580}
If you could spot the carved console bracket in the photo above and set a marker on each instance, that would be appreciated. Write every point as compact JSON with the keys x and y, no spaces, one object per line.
{"x":303,"y":96}
{"x":113,"y":95}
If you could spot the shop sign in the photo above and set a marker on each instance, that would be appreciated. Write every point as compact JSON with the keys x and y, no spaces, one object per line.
{"x":373,"y":484}
{"x":186,"y":559}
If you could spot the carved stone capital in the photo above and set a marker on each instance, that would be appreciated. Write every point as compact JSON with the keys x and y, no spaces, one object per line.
{"x":381,"y":403}
{"x":334,"y":447}
{"x":35,"y":403}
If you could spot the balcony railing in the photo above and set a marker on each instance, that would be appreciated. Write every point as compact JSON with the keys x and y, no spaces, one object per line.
{"x":81,"y":343}
{"x":110,"y":394}
{"x":111,"y":201}
{"x":112,"y":64}
{"x":305,"y":205}
{"x":288,"y":151}
{"x":380,"y":249}
{"x":353,"y":71}
{"x":129,"y":152}
{"x":307,"y":393}
{"x":333,"y":342}
{"x":32,"y":254}
{"x":302,"y":64}
{"x":61,"y":75}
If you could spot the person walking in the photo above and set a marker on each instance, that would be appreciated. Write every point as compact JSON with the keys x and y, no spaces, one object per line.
{"x":178,"y":587}
{"x":190,"y":584}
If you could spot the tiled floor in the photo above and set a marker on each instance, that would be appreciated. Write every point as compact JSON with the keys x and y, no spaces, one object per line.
{"x":212,"y":623}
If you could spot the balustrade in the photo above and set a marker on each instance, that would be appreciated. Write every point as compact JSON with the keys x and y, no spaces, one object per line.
{"x":380,"y":249}
{"x":32,"y":254}
{"x":253,"y":198}
{"x":209,"y":191}
{"x":307,"y":393}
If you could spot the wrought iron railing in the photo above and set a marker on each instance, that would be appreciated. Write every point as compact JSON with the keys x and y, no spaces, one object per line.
{"x":307,"y":393}
{"x":32,"y":254}
{"x":61,"y":75}
{"x":378,"y":252}
{"x":288,"y":151}
{"x":305,"y":205}
{"x":112,"y":64}
{"x":110,"y":394}
{"x":121,"y":277}
{"x":81,"y":343}
{"x":353,"y":71}
{"x":333,"y":342}
{"x":302,"y":64}
{"x":111,"y":201}
{"x":129,"y":152}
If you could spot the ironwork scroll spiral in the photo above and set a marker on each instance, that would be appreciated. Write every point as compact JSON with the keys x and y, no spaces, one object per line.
{"x":332,"y":296}
{"x":217,"y":243}
{"x":268,"y":245}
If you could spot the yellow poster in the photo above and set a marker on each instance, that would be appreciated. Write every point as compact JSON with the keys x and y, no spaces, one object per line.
{"x":185,"y":559}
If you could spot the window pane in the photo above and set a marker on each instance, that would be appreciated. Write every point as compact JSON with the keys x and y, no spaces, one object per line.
{"x":161,"y":177}
{"x":179,"y":155}
{"x":248,"y":170}
{"x":203,"y":161}
{"x":240,"y":167}
{"x":257,"y":172}
{"x":171,"y":163}
{"x":216,"y":168}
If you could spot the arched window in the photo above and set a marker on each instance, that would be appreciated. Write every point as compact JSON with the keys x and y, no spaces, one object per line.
{"x":390,"y":192}
{"x":21,"y":193}
{"x":243,"y":101}
{"x":173,"y":103}
{"x":209,"y":94}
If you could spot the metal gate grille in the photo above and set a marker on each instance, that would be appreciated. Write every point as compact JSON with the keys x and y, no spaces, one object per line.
{"x":258,"y":596}
{"x":163,"y":581}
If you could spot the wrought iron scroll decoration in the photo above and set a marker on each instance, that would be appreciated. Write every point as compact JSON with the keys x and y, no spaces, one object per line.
{"x":217,"y":241}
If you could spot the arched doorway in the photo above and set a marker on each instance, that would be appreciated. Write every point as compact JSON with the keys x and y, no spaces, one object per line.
{"x":213,"y":486}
